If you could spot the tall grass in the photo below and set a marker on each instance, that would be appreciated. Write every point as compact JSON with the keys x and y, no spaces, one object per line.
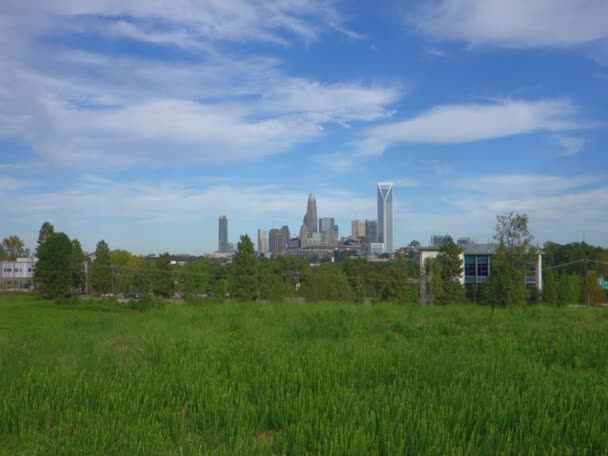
{"x":94,"y":378}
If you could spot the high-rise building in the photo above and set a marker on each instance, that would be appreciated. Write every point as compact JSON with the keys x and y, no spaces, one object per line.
{"x":438,"y":240}
{"x":286,"y":235}
{"x":358,"y":229}
{"x":385,"y":215}
{"x":309,"y":227}
{"x":262,"y":242}
{"x":371,"y":230}
{"x":223,"y":235}
{"x":328,"y":230}
{"x":277,"y":242}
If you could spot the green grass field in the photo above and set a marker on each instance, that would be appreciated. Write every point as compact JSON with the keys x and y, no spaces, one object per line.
{"x":95,"y":378}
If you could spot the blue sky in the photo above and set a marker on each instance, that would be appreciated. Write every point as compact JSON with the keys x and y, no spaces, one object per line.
{"x":141,"y":122}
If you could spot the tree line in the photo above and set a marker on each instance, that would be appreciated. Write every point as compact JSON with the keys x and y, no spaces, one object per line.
{"x":61,"y":270}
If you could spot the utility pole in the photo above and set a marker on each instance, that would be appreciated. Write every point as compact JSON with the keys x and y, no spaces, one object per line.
{"x":86,"y":277}
{"x":587,"y":281}
{"x":113,"y":279}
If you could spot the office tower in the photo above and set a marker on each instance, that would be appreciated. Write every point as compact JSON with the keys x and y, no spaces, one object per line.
{"x":223,"y":235}
{"x":286,"y":235}
{"x":276,"y":241}
{"x":309,"y":227}
{"x":465,"y":241}
{"x":262,"y":242}
{"x":328,"y":230}
{"x":371,"y":230}
{"x":438,"y":240}
{"x":358,"y":229}
{"x":385,"y":215}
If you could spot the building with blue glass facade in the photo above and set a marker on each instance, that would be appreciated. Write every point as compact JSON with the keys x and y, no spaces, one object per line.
{"x":477,"y":266}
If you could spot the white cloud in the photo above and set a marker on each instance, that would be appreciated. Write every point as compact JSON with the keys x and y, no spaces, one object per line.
{"x":405,"y":182}
{"x":516,"y":23}
{"x":512,"y":185}
{"x":9,"y":184}
{"x":336,"y":162}
{"x":187,"y":22}
{"x":75,"y":107}
{"x":95,"y":208}
{"x":570,"y":145}
{"x":452,"y":124}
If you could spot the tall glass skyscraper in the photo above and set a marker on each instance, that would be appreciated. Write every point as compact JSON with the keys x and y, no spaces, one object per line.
{"x":385,"y":215}
{"x":223,"y":235}
{"x":262,"y":241}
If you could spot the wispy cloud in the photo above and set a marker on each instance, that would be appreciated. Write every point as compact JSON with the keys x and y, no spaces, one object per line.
{"x":112,"y":207}
{"x":405,"y":182}
{"x":453,"y":124}
{"x":570,"y":145}
{"x":185,"y":23}
{"x":75,"y":107}
{"x":524,"y":184}
{"x":516,"y":23}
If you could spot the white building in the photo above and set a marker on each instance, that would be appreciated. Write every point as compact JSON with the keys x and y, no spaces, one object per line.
{"x":18,"y":273}
{"x":263,"y":242}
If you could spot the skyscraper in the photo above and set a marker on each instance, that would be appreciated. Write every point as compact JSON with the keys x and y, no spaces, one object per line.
{"x":310,"y":219}
{"x":223,"y":235}
{"x":371,"y":230}
{"x":328,"y":230}
{"x":262,"y":242}
{"x":276,"y":241}
{"x":358,"y":229}
{"x":385,"y":215}
{"x":286,"y":235}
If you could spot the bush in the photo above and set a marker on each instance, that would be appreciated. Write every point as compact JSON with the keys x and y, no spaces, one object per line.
{"x":146,"y":303}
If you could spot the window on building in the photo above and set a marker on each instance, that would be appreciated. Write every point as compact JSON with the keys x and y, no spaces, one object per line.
{"x":469,"y":266}
{"x":482,"y":266}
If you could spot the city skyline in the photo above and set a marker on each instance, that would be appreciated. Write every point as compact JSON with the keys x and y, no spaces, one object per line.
{"x":140,"y":123}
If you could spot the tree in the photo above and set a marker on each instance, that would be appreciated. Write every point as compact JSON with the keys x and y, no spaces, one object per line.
{"x":45,"y":231}
{"x":101,"y":269}
{"x":596,"y":293}
{"x":164,"y":281}
{"x":77,"y":261}
{"x":54,"y":269}
{"x":450,"y":269}
{"x":244,"y":283}
{"x":550,"y":289}
{"x":510,"y":265}
{"x":14,"y":248}
{"x":3,"y":255}
{"x":570,"y":289}
{"x":506,"y":284}
{"x":396,"y":287}
{"x":196,"y":277}
{"x":327,"y":282}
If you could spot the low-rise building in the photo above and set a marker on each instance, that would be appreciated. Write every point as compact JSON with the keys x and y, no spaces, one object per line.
{"x":18,"y":273}
{"x":477,"y":266}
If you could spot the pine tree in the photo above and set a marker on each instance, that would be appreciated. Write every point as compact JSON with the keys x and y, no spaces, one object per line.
{"x":54,"y":269}
{"x":45,"y":231}
{"x":101,"y":269}
{"x":244,"y":283}
{"x":451,"y":268}
{"x":164,"y":280}
{"x":77,"y":260}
